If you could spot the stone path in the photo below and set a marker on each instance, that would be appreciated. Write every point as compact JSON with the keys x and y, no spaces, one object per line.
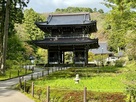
{"x":9,"y":95}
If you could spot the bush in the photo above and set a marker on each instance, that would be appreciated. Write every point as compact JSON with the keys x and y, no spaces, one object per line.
{"x":119,"y":63}
{"x":131,"y":86}
{"x":10,"y":63}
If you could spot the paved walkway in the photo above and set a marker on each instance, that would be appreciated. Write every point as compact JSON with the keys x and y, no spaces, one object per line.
{"x":9,"y":95}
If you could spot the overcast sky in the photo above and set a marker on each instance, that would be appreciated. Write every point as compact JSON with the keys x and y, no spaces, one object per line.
{"x":42,"y":6}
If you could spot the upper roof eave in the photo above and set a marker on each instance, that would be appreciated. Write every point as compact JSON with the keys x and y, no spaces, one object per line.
{"x":63,"y":14}
{"x":45,"y":24}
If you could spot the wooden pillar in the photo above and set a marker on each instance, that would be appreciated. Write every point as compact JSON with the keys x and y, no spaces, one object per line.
{"x":86,"y":55}
{"x":74,"y":54}
{"x":58,"y":54}
{"x":48,"y":56}
{"x":63,"y":57}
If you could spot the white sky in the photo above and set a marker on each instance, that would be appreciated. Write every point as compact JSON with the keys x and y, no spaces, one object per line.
{"x":42,"y":6}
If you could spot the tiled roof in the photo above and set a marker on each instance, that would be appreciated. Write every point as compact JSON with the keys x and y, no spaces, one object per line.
{"x":66,"y":41}
{"x":67,"y":19}
{"x":102,"y":49}
{"x":56,"y":40}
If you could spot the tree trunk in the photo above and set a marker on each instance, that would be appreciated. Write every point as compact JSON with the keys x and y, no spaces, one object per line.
{"x":2,"y":18}
{"x":5,"y":37}
{"x":0,"y":37}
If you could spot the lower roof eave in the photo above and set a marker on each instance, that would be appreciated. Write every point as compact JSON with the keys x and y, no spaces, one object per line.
{"x":46,"y":46}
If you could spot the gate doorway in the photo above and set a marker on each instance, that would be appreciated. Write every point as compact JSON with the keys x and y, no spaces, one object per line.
{"x":68,"y":57}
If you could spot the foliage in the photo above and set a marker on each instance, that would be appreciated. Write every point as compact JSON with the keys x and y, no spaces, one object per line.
{"x":74,"y":10}
{"x":131,"y":83}
{"x":122,"y":5}
{"x":119,"y":20}
{"x":100,"y":11}
{"x":30,"y":17}
{"x":100,"y":59}
{"x":13,"y":72}
{"x":15,"y":46}
{"x":68,"y":57}
{"x":95,"y":10}
{"x":90,"y":56}
{"x":41,"y":56}
{"x":77,"y":10}
{"x":23,"y":40}
{"x":131,"y":87}
{"x":11,"y":13}
{"x":119,"y":63}
{"x":34,"y":33}
{"x":131,"y":46}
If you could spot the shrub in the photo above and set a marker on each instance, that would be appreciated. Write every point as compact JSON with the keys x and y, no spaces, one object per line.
{"x":119,"y":63}
{"x":131,"y":86}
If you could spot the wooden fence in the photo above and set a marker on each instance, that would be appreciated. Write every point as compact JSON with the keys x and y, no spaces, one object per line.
{"x":47,"y":97}
{"x":30,"y":87}
{"x":47,"y":93}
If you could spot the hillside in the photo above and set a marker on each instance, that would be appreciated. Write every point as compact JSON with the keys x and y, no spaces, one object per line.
{"x":100,"y":18}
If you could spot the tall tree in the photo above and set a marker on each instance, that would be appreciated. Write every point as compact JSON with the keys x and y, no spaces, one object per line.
{"x":2,"y":13}
{"x":30,"y":17}
{"x":10,"y":15}
{"x":5,"y":37}
{"x":118,"y":19}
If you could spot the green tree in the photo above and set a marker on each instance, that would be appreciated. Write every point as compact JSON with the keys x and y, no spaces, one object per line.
{"x":74,"y":10}
{"x":5,"y":37}
{"x":57,"y":10}
{"x":100,"y":11}
{"x":95,"y":10}
{"x":118,"y":19}
{"x":10,"y":14}
{"x":91,"y":56}
{"x":15,"y":48}
{"x":131,"y":44}
{"x":34,"y":33}
{"x":30,"y":17}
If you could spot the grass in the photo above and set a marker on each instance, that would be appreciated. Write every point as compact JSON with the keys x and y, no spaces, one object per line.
{"x":99,"y":84}
{"x":107,"y":79}
{"x":106,"y":84}
{"x":13,"y":73}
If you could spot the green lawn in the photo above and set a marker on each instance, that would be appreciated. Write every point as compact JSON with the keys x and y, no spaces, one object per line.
{"x":104,"y":84}
{"x":107,"y":84}
{"x":12,"y":73}
{"x":108,"y":79}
